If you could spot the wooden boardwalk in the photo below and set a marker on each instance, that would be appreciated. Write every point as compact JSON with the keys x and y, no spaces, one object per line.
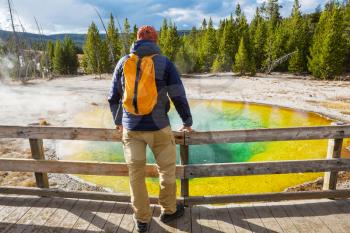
{"x":22,"y":214}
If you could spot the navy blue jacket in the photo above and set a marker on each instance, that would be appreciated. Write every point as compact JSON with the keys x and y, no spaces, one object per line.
{"x":168,"y":84}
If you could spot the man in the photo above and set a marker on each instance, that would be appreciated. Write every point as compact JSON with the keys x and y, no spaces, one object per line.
{"x":152,"y":129}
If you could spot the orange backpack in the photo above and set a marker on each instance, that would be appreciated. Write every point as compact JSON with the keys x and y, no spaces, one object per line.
{"x":140,"y":92}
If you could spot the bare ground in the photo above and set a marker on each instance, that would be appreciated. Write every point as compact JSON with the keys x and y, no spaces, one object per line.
{"x":54,"y":102}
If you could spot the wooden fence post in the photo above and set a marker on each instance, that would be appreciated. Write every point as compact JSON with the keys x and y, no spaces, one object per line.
{"x":37,"y":148}
{"x":184,"y":154}
{"x":334,"y":151}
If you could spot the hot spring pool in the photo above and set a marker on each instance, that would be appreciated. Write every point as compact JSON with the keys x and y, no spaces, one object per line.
{"x":213,"y":115}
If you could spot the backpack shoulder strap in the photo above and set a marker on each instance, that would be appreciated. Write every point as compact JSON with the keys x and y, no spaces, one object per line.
{"x":153,"y":55}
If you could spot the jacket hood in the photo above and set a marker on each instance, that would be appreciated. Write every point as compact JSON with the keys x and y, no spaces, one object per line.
{"x":145,"y":48}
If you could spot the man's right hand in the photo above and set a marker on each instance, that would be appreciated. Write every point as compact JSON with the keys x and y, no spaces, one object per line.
{"x":119,"y":128}
{"x":186,"y":129}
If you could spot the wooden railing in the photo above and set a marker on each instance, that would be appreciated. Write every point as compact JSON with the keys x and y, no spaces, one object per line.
{"x":332,"y":165}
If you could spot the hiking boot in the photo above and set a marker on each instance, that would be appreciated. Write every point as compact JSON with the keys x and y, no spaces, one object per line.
{"x":140,"y":226}
{"x":180,"y":210}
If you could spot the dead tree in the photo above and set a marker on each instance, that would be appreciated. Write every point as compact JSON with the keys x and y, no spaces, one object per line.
{"x":278,"y":61}
{"x":18,"y":50}
{"x":110,"y":46}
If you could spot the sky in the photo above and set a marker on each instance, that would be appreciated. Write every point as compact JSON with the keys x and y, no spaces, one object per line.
{"x":74,"y":16}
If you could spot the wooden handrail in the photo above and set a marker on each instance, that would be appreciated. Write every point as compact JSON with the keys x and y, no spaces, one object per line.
{"x":263,"y":135}
{"x":76,"y":167}
{"x":67,"y":133}
{"x":264,"y":168}
{"x":333,"y":164}
{"x":194,"y":138}
{"x":182,"y":171}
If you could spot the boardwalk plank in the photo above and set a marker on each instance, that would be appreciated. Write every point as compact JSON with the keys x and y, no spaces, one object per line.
{"x":127,"y":223}
{"x":3,"y":200}
{"x":324,"y":210}
{"x":156,"y":225}
{"x":238,"y":219}
{"x":282,"y":218}
{"x":73,"y":215}
{"x":314,"y":219}
{"x":30,"y":215}
{"x":195,"y":220}
{"x":169,"y":227}
{"x":15,"y":215}
{"x":8,"y":209}
{"x":224,"y":221}
{"x":100,"y":218}
{"x":184,"y":223}
{"x":115,"y":217}
{"x":303,"y":226}
{"x":57,"y":217}
{"x":85,"y":218}
{"x":254,"y":221}
{"x":341,"y":210}
{"x":41,"y":219}
{"x":208,"y":221}
{"x":153,"y":219}
{"x":267,"y":218}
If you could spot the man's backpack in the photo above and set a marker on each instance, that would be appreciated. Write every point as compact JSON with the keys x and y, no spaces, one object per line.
{"x":140,"y":90}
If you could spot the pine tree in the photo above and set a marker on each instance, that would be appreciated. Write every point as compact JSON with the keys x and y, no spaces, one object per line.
{"x":347,"y":35}
{"x":113,"y":39}
{"x":242,"y":63}
{"x":127,"y":34}
{"x":241,"y":28}
{"x":296,"y":62}
{"x":58,"y":59}
{"x":258,"y":32}
{"x":298,"y":40}
{"x":243,"y":33}
{"x":280,"y":45}
{"x":224,"y":61}
{"x":104,"y":58}
{"x":50,"y":51}
{"x":163,"y":33}
{"x":191,"y":44}
{"x":184,"y":61}
{"x":327,"y":52}
{"x":315,"y":17}
{"x":46,"y":61}
{"x":170,"y":42}
{"x":134,"y":34}
{"x":271,"y":12}
{"x":70,"y":56}
{"x":208,"y":47}
{"x":204,"y":25}
{"x":91,"y":48}
{"x":271,"y":9}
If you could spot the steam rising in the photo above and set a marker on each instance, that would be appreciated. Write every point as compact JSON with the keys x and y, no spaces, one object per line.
{"x":6,"y":63}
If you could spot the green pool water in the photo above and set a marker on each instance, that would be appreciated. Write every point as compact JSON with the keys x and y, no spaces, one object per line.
{"x":213,"y":115}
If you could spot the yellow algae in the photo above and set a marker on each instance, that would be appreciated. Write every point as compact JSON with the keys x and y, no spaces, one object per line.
{"x":247,"y":184}
{"x":293,"y":150}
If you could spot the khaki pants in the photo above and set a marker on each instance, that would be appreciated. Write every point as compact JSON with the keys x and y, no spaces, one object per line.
{"x":162,"y":144}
